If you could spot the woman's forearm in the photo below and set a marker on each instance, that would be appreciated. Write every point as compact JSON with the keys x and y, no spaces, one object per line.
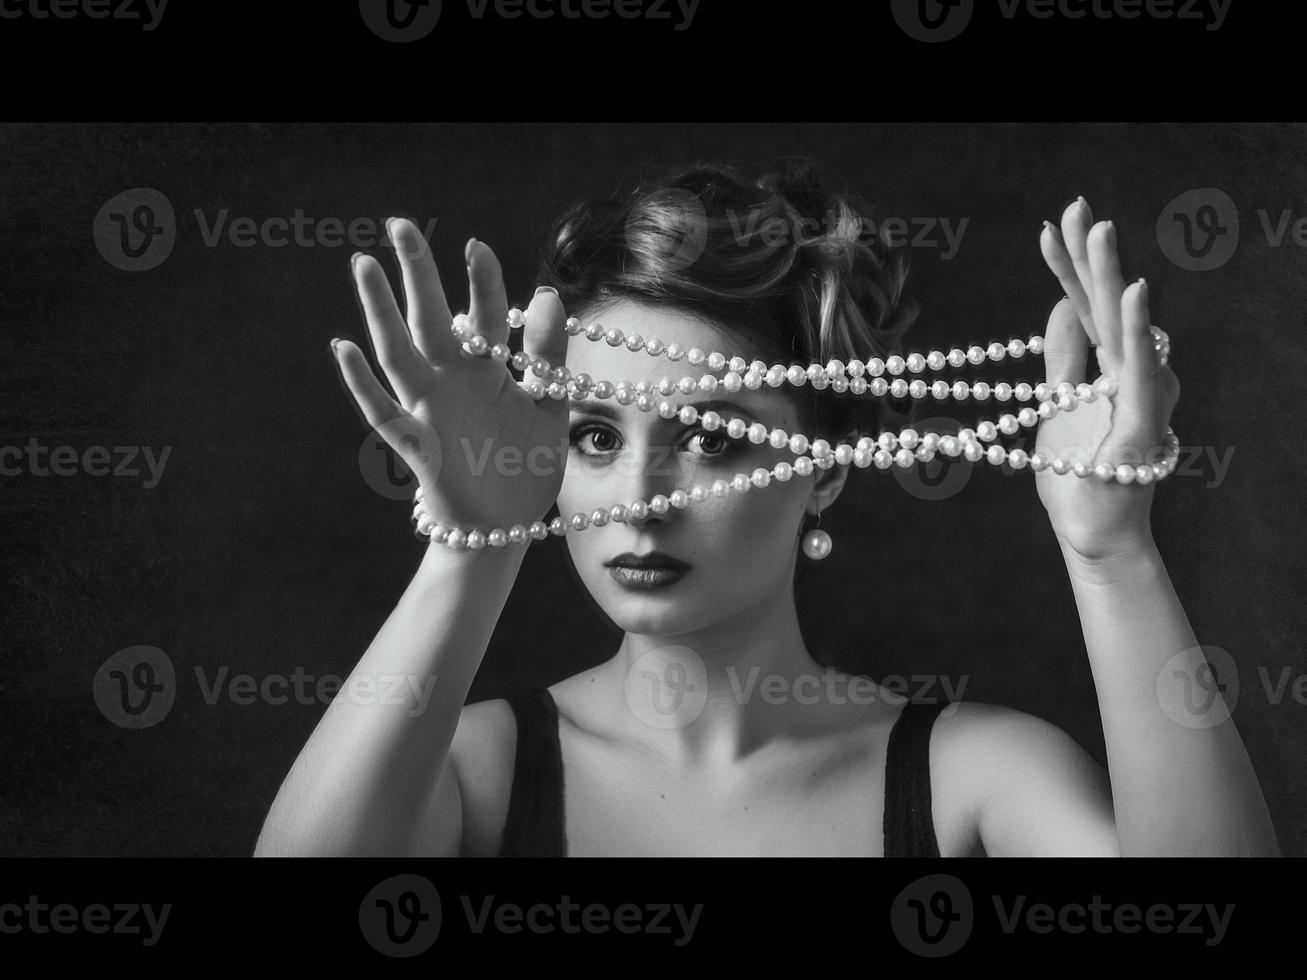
{"x":363,"y":782}
{"x":1177,"y":790}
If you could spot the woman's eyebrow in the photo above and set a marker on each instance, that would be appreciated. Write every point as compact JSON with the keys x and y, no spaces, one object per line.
{"x":613,"y":411}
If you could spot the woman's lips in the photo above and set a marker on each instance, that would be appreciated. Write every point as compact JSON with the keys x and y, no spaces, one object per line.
{"x":656,"y":577}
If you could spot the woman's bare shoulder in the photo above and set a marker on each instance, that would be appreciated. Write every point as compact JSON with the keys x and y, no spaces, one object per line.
{"x":483,"y":752}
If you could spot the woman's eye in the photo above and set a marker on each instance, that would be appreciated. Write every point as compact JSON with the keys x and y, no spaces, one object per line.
{"x":709,"y":443}
{"x":604,"y":438}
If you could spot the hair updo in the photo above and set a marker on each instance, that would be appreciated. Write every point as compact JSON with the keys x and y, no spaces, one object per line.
{"x":795,"y":272}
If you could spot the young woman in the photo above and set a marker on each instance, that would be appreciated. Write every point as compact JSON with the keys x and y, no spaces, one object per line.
{"x":666,"y":749}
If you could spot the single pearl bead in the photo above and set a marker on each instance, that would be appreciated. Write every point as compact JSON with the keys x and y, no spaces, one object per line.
{"x":974,"y":452}
{"x":844,"y":454}
{"x":957,"y":357}
{"x":517,"y":534}
{"x":861,"y":458}
{"x":645,"y":403}
{"x":917,"y":388}
{"x":1016,"y":348}
{"x":1007,"y":424}
{"x":1037,"y":462}
{"x":816,"y":544}
{"x":478,"y":345}
{"x":882,"y":459}
{"x":695,"y":357}
{"x":760,"y":477}
{"x":875,"y":367}
{"x":521,"y":360}
{"x":659,"y":504}
{"x":654,"y":346}
{"x":904,"y":458}
{"x":497,"y":538}
{"x":898,"y":388}
{"x":798,"y":444}
{"x":1002,"y":391}
{"x":909,"y":438}
{"x":1080,"y":468}
{"x":634,"y":343}
{"x":888,"y":441}
{"x":879,"y":386}
{"x":916,"y":363}
{"x":1024,"y":392}
{"x":558,"y":527}
{"x":935,"y":360}
{"x":638,"y":510}
{"x":737,"y":365}
{"x":599,"y":517}
{"x":732,"y":382}
{"x":699,"y":493}
{"x":776,"y":376}
{"x":996,"y":351}
{"x":711,"y":421}
{"x":980,"y":391}
{"x":740,"y":483}
{"x":1125,"y":473}
{"x":1036,"y":345}
{"x":757,"y":366}
{"x":538,"y":530}
{"x":1043,"y":392}
{"x":778,"y":439}
{"x":558,"y":391}
{"x":688,"y":415}
{"x":753,"y":380}
{"x":501,"y":352}
{"x":594,"y":331}
{"x":996,"y":455}
{"x":894,"y":364}
{"x":1060,"y":466}
{"x":1027,"y":417}
{"x":426,"y":523}
{"x":986,"y":431}
{"x":735,"y":428}
{"x":603,"y":389}
{"x":720,"y":488}
{"x":675,"y":352}
{"x":624,"y":393}
{"x":1046,"y":410}
{"x":457,"y":540}
{"x":1144,"y":474}
{"x":716,"y":361}
{"x":476,"y":540}
{"x":617,"y":514}
{"x":961,"y":390}
{"x":941,"y":389}
{"x":573,"y":326}
{"x":924,"y":453}
{"x":820,"y":449}
{"x":667,"y":410}
{"x":687,"y":385}
{"x":949,"y":445}
{"x":783,"y":471}
{"x":1104,"y":471}
{"x":834,"y":368}
{"x":976,"y":355}
{"x":679,"y":499}
{"x":803,"y":466}
{"x":757,"y":433}
{"x":1085,"y":392}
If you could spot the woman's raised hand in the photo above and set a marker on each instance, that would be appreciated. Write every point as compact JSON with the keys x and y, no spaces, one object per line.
{"x":485,"y":452}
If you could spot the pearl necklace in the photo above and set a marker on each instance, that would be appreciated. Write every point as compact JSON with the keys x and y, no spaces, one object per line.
{"x":903,"y":449}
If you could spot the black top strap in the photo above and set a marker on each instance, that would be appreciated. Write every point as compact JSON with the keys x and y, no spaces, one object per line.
{"x":909,"y":826}
{"x":534,"y":827}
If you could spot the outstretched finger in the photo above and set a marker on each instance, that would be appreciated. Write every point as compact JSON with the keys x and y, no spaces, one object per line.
{"x":372,"y":399}
{"x":1066,"y":348}
{"x":544,"y":334}
{"x":1076,"y":221}
{"x":405,"y":367}
{"x":1108,"y":285}
{"x":488,"y":310}
{"x":428,"y":314}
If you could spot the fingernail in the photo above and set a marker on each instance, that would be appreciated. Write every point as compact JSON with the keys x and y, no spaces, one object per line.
{"x":1111,"y":233}
{"x":467,"y":251}
{"x":1143,"y":285}
{"x":334,"y":342}
{"x":1048,"y":226}
{"x":390,"y":229}
{"x":546,"y":289}
{"x":354,"y":260}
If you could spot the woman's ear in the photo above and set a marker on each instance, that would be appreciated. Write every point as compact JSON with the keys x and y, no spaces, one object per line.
{"x":830,"y":483}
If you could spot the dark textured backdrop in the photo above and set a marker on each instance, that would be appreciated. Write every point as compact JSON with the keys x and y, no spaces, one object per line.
{"x":263,"y":550}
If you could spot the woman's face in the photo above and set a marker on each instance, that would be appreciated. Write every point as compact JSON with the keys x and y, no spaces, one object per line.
{"x":741,"y":547}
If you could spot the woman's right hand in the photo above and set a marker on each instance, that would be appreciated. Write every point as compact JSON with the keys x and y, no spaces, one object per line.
{"x":455,"y":411}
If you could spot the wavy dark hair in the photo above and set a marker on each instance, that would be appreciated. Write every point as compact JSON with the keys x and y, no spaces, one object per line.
{"x":794,"y":271}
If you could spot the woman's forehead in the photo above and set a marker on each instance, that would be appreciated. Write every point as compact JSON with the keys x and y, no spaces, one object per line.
{"x":648,"y":321}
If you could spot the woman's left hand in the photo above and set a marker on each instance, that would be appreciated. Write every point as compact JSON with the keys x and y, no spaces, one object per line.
{"x":1092,"y":518}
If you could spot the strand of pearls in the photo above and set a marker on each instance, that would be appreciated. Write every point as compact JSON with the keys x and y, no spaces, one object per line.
{"x":905,"y":449}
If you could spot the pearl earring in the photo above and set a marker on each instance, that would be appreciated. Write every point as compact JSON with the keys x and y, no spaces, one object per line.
{"x":817,"y":543}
